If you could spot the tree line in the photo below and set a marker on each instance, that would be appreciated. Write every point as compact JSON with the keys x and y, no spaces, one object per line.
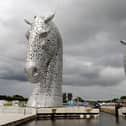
{"x":14,"y":97}
{"x":69,"y":97}
{"x":66,"y":97}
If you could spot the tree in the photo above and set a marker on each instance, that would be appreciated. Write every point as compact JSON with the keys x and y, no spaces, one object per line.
{"x":11,"y":98}
{"x":64,"y":97}
{"x":115,"y":100}
{"x":18,"y":97}
{"x":2,"y":97}
{"x":78,"y":99}
{"x":70,"y":96}
{"x":123,"y":97}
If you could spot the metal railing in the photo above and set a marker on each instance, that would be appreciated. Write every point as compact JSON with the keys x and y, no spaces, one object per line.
{"x":18,"y":110}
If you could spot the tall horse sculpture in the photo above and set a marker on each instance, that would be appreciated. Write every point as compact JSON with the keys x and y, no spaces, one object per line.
{"x":44,"y":62}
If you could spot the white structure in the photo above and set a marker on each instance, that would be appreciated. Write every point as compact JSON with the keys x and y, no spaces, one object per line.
{"x":44,"y":62}
{"x":2,"y":102}
{"x":15,"y":103}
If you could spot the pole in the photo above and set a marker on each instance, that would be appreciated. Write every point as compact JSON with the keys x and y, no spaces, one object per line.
{"x":117,"y":106}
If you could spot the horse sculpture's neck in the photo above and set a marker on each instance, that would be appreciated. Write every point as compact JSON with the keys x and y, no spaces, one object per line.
{"x":48,"y":92}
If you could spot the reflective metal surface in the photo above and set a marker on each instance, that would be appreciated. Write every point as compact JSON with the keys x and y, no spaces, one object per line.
{"x":44,"y":62}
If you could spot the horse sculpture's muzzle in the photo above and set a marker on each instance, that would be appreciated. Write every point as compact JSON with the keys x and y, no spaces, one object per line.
{"x":32,"y":72}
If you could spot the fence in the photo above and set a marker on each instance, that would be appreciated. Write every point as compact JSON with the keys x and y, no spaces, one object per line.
{"x":19,"y":110}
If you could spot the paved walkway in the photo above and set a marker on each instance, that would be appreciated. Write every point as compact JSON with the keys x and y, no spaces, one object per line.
{"x":7,"y":118}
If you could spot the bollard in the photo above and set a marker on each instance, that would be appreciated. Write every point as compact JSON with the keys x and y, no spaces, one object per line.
{"x":24,"y":111}
{"x":53,"y":114}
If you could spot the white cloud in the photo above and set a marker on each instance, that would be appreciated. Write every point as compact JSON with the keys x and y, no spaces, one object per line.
{"x":112,"y":73}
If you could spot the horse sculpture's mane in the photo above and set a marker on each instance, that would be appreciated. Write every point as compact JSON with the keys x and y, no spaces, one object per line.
{"x":44,"y":62}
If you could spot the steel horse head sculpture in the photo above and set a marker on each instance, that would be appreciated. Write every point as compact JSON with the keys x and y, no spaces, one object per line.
{"x":44,"y":62}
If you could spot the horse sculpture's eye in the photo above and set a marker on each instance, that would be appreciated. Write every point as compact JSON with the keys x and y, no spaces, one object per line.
{"x":43,"y":35}
{"x":27,"y":35}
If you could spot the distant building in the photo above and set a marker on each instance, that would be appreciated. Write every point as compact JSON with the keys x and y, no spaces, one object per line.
{"x":123,"y":101}
{"x":2,"y":102}
{"x":15,"y":103}
{"x":108,"y":104}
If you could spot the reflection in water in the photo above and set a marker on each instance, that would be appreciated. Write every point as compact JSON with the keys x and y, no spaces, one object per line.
{"x":117,"y":120}
{"x":66,"y":122}
{"x":103,"y":120}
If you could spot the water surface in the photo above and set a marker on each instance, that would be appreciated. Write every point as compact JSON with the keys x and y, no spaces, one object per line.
{"x":103,"y":120}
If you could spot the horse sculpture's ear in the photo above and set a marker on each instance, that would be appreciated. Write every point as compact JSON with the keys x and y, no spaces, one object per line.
{"x":35,"y":17}
{"x":27,"y":22}
{"x":123,"y":42}
{"x":49,"y":18}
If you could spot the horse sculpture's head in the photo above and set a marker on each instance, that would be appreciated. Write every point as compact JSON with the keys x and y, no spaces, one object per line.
{"x":39,"y":47}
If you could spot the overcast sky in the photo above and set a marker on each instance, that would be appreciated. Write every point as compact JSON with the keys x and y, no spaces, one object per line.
{"x":91,"y":31}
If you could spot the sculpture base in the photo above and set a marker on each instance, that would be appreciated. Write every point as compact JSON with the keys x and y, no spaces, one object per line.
{"x":44,"y":101}
{"x":41,"y":97}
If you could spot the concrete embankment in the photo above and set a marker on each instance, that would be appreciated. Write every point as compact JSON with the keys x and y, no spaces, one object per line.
{"x":69,"y":109}
{"x":108,"y":109}
{"x":111,"y":110}
{"x":67,"y":112}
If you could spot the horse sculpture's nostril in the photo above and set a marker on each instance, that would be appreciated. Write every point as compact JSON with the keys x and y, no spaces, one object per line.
{"x":34,"y":70}
{"x":35,"y":74}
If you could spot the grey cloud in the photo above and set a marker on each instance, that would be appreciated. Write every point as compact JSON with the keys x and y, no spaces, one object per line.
{"x":19,"y":77}
{"x":91,"y":31}
{"x":9,"y":87}
{"x":89,"y":74}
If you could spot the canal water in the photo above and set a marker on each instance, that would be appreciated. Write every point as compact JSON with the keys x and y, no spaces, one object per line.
{"x":103,"y":120}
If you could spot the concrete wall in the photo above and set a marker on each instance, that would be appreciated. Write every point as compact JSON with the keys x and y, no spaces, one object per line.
{"x":76,"y":109}
{"x":108,"y":109}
